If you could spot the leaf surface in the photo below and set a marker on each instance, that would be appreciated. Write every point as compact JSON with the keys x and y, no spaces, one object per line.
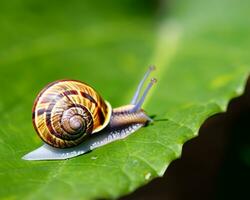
{"x":201,"y":50}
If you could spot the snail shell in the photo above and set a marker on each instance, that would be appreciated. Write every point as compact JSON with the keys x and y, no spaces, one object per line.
{"x":67,"y":112}
{"x":72,"y":119}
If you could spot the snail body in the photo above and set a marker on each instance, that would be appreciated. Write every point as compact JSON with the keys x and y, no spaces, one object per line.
{"x":72,"y":118}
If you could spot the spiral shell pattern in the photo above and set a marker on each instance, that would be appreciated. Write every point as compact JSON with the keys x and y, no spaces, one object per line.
{"x":66,"y":112}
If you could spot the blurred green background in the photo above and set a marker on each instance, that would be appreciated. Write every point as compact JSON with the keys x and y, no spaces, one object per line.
{"x":201,"y":49}
{"x":47,"y":40}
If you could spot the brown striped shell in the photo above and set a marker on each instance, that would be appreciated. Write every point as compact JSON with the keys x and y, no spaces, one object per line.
{"x":66,"y":112}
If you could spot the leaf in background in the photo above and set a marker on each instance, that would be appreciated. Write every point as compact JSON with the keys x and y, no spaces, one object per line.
{"x":201,"y":49}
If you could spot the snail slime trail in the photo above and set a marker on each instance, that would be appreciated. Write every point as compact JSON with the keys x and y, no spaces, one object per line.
{"x":71,"y":118}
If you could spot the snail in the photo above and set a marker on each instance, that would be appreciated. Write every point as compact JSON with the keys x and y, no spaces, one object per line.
{"x":71,"y":118}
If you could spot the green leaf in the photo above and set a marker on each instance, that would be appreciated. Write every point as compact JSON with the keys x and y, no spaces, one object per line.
{"x":201,"y":50}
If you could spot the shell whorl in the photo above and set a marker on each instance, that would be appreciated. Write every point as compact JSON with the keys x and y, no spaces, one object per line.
{"x":66,"y":112}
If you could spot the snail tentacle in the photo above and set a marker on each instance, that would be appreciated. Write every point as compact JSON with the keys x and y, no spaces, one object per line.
{"x":139,"y":87}
{"x":142,"y":99}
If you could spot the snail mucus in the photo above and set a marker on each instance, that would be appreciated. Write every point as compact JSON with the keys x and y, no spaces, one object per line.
{"x":72,"y":118}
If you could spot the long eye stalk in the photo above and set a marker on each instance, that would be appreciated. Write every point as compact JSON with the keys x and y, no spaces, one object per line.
{"x":136,"y":95}
{"x":135,"y":101}
{"x":142,"y":99}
